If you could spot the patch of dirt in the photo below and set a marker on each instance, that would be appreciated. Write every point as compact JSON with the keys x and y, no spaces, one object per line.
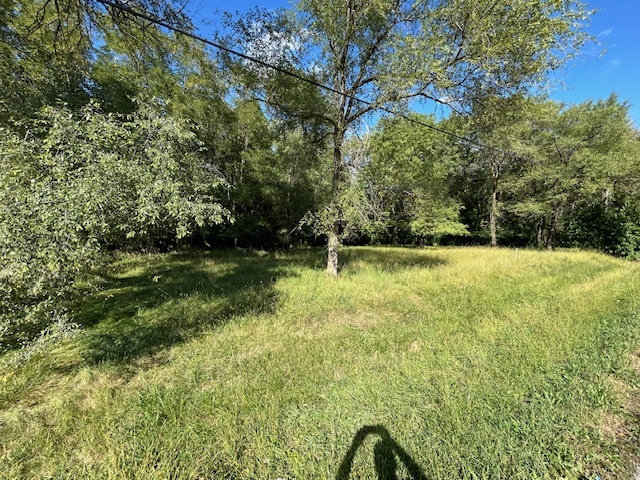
{"x":613,"y":427}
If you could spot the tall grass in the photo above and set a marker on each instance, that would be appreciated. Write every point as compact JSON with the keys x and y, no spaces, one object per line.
{"x":436,"y":363}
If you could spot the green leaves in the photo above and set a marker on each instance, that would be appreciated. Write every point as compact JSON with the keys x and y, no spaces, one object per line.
{"x":77,"y":184}
{"x":408,"y":176}
{"x":570,"y":158}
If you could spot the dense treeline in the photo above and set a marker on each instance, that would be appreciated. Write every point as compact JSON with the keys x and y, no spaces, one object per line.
{"x":118,"y":135}
{"x":572,"y":181}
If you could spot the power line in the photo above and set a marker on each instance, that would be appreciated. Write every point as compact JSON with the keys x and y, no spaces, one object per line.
{"x":157,"y":21}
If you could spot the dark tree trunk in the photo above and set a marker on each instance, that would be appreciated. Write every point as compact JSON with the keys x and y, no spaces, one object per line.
{"x":540,"y":233}
{"x":551,"y":232}
{"x":493,"y":218}
{"x":493,"y":213}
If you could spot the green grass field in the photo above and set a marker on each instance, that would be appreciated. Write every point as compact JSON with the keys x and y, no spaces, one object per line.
{"x":420,"y":364}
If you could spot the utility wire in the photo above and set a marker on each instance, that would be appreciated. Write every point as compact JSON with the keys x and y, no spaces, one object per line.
{"x":157,"y":21}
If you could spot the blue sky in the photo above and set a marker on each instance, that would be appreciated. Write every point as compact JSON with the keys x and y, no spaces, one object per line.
{"x":595,"y":75}
{"x":612,"y":64}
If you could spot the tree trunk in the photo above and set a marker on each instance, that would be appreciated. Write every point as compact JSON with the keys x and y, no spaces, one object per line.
{"x":551,"y":233}
{"x":493,"y":213}
{"x":540,"y":233}
{"x":333,"y":241}
{"x":332,"y":251}
{"x":493,"y":218}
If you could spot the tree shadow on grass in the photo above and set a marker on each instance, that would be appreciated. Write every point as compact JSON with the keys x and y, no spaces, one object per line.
{"x":386,"y":454}
{"x":154,"y":301}
{"x":170,"y":298}
{"x":389,"y":259}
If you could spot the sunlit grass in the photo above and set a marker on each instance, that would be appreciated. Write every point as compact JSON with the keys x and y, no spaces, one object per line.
{"x":435,"y":363}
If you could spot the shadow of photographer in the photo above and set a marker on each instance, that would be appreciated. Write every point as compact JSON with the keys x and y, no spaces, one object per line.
{"x":386,"y":453}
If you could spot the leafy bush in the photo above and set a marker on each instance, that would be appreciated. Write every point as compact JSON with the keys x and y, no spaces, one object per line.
{"x":612,"y":228}
{"x":74,"y":184}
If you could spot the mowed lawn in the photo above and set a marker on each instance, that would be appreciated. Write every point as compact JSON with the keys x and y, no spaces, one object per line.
{"x":415,"y":363}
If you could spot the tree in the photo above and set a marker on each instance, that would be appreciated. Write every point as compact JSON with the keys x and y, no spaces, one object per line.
{"x":47,"y":49}
{"x":502,"y":128}
{"x":79,"y":178}
{"x":43,"y":60}
{"x":407,"y":178}
{"x":583,"y":155}
{"x":389,"y":52}
{"x":76,"y":184}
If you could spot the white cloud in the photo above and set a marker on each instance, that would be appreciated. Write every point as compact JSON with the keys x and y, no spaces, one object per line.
{"x":613,"y":64}
{"x":605,"y":33}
